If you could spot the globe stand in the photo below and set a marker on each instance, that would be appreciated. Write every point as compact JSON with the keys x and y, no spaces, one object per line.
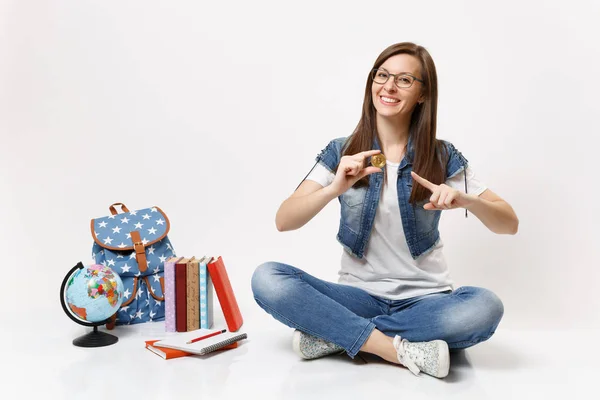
{"x":94,"y":338}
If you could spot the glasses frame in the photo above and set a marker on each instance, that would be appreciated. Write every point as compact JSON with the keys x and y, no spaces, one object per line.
{"x":395,"y":78}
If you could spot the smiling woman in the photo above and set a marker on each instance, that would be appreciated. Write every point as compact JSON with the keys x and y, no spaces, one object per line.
{"x":394,"y":297}
{"x":403,"y":80}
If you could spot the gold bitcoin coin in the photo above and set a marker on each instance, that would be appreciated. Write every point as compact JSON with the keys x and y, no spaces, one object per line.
{"x":378,"y":160}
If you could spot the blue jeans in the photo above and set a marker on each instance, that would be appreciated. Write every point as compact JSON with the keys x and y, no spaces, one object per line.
{"x":346,"y":315}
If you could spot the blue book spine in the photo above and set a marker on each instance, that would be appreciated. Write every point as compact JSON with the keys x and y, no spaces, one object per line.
{"x":204,"y":317}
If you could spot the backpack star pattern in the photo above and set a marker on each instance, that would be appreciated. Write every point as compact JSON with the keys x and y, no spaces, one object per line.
{"x":114,"y":247}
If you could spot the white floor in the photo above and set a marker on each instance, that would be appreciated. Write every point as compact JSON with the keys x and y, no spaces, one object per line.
{"x":512,"y":365}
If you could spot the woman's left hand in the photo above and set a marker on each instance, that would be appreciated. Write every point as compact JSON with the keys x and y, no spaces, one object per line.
{"x":444,"y":197}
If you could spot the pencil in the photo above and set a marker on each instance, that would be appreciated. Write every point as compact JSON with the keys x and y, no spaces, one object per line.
{"x":206,"y":336}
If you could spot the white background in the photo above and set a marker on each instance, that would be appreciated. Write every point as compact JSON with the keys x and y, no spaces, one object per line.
{"x":215,"y":111}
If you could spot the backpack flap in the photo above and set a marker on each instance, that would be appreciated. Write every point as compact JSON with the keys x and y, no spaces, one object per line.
{"x":132,"y":231}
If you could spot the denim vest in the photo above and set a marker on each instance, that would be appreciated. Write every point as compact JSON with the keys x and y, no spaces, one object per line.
{"x":358,"y":205}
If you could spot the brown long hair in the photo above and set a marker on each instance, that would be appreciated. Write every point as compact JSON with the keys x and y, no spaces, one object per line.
{"x":429,"y":153}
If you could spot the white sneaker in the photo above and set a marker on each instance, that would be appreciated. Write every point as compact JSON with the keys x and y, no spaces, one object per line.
{"x":433,"y":358}
{"x":310,"y":347}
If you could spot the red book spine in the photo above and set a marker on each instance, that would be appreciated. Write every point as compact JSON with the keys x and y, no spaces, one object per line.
{"x":222,"y":285}
{"x":181,"y":297}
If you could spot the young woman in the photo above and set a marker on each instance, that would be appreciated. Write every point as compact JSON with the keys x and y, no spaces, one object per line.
{"x":394,"y":297}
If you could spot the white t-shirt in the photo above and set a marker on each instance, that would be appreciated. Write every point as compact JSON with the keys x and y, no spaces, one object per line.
{"x":387,"y":269}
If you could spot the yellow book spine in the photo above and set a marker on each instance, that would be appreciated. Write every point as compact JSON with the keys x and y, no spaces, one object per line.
{"x":193,"y":296}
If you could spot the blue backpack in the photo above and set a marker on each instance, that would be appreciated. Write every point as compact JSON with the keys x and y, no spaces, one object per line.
{"x":135,"y":245}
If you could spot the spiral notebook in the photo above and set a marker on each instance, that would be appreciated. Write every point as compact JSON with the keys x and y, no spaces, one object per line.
{"x":203,"y":346}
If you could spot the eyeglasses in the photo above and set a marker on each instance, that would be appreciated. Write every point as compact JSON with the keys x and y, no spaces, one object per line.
{"x":403,"y":81}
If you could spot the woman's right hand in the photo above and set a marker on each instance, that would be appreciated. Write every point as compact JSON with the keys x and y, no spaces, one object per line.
{"x":351,"y":169}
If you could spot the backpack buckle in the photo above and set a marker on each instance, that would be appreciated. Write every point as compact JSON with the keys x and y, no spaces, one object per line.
{"x":140,"y":252}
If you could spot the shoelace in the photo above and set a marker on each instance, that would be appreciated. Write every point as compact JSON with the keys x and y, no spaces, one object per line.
{"x":403,"y":357}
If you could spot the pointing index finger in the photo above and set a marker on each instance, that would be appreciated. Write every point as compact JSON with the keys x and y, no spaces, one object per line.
{"x":424,"y":182}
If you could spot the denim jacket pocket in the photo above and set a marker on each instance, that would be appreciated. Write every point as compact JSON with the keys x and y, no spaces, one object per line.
{"x":351,"y":203}
{"x":426,"y":220}
{"x":354,"y":197}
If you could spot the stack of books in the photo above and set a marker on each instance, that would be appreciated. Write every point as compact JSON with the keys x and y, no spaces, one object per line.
{"x":189,"y":286}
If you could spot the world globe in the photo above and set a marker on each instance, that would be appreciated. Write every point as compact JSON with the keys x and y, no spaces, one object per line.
{"x":90,"y":295}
